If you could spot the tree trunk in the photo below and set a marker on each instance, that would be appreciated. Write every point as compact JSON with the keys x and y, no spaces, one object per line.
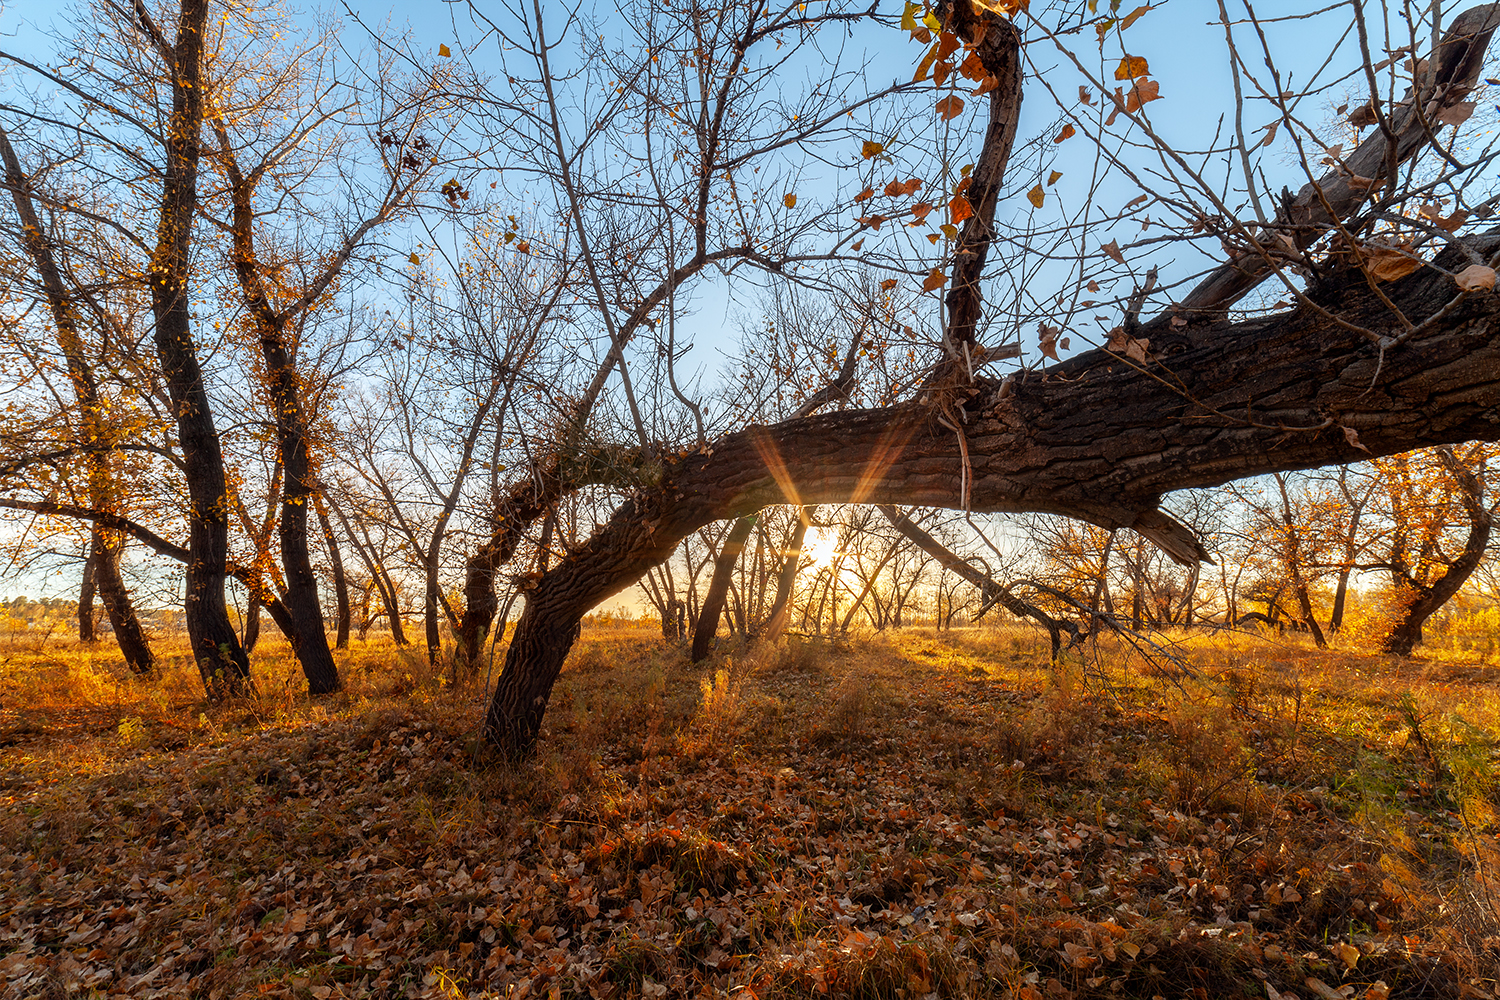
{"x":1421,"y":600}
{"x":718,"y":587}
{"x":480,"y":605}
{"x":786,"y":579}
{"x":215,"y":647}
{"x":86,"y":631}
{"x":1097,"y":437}
{"x":252,"y":624}
{"x":288,"y":392}
{"x":340,"y":581}
{"x":129,"y":635}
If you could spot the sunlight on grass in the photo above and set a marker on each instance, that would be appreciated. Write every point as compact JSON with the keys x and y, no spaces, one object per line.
{"x":911,"y":814}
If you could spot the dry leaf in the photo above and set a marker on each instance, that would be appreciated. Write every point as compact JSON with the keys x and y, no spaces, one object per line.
{"x":1112,"y":250}
{"x":1352,"y":436}
{"x":1068,"y":131}
{"x":935,"y":279}
{"x":1134,"y":16}
{"x":1135,"y":201}
{"x":1363,"y":116}
{"x":789,"y":200}
{"x":1475,"y":278}
{"x":1142,"y":93}
{"x":864,"y":195}
{"x":444,"y":52}
{"x":888,"y":284}
{"x":1131,"y":67}
{"x":1036,"y":196}
{"x":959,"y":209}
{"x":1348,"y":953}
{"x":950,"y":107}
{"x":1054,"y":177}
{"x":871,"y":148}
{"x":1047,"y":336}
{"x":1456,"y":113}
{"x":1085,"y":95}
{"x":1388,"y":263}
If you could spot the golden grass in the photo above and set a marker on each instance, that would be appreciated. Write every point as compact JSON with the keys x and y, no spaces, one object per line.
{"x":913,"y":814}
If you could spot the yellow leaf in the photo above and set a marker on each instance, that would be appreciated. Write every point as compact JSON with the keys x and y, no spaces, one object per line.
{"x":935,"y":279}
{"x":871,"y":148}
{"x":909,"y":17}
{"x":443,"y":51}
{"x":1053,"y":178}
{"x":950,"y":231}
{"x":1036,"y":196}
{"x":1348,"y":953}
{"x":1131,"y":67}
{"x":415,"y":259}
{"x":789,"y":200}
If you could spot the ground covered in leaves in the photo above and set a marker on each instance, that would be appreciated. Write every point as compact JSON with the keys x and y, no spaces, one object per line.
{"x":922,"y":815}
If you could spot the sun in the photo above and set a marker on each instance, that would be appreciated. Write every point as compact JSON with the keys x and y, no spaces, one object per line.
{"x":820,"y":545}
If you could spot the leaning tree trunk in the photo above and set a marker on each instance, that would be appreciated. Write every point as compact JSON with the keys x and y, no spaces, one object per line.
{"x":718,"y":587}
{"x":215,"y":646}
{"x":1098,"y":437}
{"x":1422,"y":600}
{"x":129,"y":635}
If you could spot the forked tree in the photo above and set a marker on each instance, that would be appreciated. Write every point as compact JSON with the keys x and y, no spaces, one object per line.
{"x":1387,"y":339}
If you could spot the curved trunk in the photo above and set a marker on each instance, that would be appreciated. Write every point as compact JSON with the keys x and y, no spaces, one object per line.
{"x":1098,"y":437}
{"x":129,"y":635}
{"x":1422,"y":600}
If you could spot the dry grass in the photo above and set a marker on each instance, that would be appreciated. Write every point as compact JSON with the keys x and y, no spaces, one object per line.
{"x":911,"y":815}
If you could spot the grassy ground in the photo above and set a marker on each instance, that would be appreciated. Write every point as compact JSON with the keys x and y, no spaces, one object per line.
{"x":912,"y":815}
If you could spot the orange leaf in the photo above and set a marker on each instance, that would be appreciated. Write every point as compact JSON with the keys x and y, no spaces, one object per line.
{"x":950,"y":107}
{"x":887,"y":284}
{"x":935,"y":279}
{"x":865,"y":195}
{"x":1134,"y":16}
{"x":871,"y":148}
{"x":857,"y":244}
{"x":1141,"y":93}
{"x":972,"y":67}
{"x":1068,"y":131}
{"x":873,"y":221}
{"x":941,"y":71}
{"x":948,"y":44}
{"x":959,"y":209}
{"x":1131,"y":67}
{"x":789,"y":200}
{"x":921,"y":210}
